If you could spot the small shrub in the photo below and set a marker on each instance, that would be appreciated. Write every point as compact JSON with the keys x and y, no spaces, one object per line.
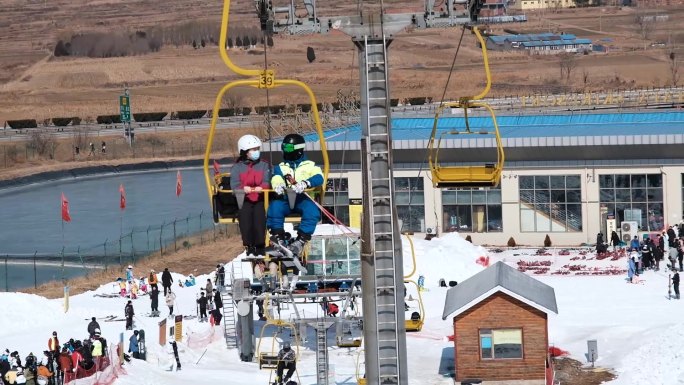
{"x":108,"y":119}
{"x":22,"y":123}
{"x":75,"y":121}
{"x":469,"y":239}
{"x":547,"y":241}
{"x":310,"y":54}
{"x":224,"y":112}
{"x":61,"y":122}
{"x":418,"y":101}
{"x":194,"y":114}
{"x":186,"y":245}
{"x":511,"y":242}
{"x":149,"y":116}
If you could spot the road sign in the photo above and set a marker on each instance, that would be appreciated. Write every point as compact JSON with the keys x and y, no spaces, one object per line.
{"x":125,"y":108}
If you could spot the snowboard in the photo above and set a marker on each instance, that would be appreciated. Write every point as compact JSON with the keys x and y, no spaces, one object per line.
{"x":175,"y":355}
{"x":142,"y":350}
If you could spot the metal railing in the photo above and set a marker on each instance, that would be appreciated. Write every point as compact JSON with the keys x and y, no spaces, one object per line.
{"x":26,"y":270}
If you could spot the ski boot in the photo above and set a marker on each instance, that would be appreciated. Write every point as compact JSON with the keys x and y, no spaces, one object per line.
{"x":280,"y":237}
{"x":297,"y":246}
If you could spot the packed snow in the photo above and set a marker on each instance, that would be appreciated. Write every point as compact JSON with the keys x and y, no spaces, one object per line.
{"x":638,"y":329}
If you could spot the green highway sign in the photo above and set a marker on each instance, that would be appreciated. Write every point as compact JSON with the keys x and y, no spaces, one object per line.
{"x":125,"y":108}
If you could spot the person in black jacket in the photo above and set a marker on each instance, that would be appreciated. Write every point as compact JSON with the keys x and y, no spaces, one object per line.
{"x":92,"y":326}
{"x":167,"y":280}
{"x":220,"y":275}
{"x":154,"y":297}
{"x":128,"y":311}
{"x":202,"y":301}
{"x":675,"y":283}
{"x":615,"y":239}
{"x":600,"y":246}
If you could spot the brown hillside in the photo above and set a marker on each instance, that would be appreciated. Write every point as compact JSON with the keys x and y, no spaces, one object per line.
{"x":33,"y":84}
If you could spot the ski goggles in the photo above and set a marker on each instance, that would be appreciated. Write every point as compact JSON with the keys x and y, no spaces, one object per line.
{"x":289,"y":147}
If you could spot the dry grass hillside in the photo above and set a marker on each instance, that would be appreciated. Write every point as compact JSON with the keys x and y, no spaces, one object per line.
{"x":34,"y":84}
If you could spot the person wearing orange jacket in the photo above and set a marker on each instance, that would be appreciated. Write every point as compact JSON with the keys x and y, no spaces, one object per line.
{"x":153,"y":279}
{"x":53,"y":344}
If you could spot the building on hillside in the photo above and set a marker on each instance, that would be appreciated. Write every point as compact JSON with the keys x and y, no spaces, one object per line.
{"x":500,"y":318}
{"x":543,"y":43}
{"x":525,"y":5}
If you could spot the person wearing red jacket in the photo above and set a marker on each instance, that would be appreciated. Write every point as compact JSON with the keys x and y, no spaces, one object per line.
{"x":66,"y":366}
{"x":76,"y":358}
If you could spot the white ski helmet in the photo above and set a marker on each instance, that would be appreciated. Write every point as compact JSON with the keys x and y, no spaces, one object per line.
{"x":247,"y":142}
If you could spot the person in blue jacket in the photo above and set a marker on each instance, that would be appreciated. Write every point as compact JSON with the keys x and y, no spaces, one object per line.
{"x":133,"y":345}
{"x":298,"y":173}
{"x":631,"y":268}
{"x":635,"y":244}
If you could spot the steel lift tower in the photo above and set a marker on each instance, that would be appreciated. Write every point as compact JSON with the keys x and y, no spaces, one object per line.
{"x":372,"y":30}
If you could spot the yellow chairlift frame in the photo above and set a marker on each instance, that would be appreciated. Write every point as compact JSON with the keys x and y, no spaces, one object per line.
{"x":269,"y":361}
{"x":416,"y":325}
{"x":487,"y":175}
{"x":261,"y":79}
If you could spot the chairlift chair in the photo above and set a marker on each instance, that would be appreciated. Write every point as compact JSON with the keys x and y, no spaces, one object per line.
{"x":268,"y":358}
{"x":487,"y":175}
{"x":417,"y":319}
{"x":218,"y":187}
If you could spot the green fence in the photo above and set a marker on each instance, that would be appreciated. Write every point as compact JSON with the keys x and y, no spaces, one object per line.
{"x":30,"y":270}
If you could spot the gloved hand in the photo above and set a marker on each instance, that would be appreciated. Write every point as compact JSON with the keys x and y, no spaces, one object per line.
{"x":300,"y":186}
{"x":279,"y":189}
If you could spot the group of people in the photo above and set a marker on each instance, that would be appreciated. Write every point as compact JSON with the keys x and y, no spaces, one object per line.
{"x":649,"y":253}
{"x":60,"y":363}
{"x":253,"y":175}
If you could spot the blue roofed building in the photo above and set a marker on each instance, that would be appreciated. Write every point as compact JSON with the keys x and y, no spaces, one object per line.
{"x":541,"y":43}
{"x":567,"y":175}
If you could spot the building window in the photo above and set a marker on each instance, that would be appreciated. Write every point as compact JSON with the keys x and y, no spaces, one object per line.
{"x":409,"y":199}
{"x":637,"y":198}
{"x":333,"y":257}
{"x":500,"y":344}
{"x":472,"y":210}
{"x":336,"y":200}
{"x":550,"y":203}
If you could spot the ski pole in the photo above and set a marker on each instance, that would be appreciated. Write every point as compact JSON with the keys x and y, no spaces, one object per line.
{"x":205,"y":351}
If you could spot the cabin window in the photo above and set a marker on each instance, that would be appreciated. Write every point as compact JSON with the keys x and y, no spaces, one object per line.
{"x":500,"y":344}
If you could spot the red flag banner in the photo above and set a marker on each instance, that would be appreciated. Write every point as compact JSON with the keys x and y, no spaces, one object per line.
{"x":122,"y":199}
{"x":179,"y":184}
{"x":66,"y":217}
{"x":217,"y":168}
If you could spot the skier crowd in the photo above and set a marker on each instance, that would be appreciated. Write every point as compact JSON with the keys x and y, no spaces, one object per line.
{"x":647,"y":254}
{"x":60,"y":363}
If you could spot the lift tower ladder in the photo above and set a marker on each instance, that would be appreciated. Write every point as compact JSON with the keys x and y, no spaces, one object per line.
{"x":387,"y":321}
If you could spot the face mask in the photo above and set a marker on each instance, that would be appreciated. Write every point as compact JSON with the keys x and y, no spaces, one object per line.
{"x":254,"y":154}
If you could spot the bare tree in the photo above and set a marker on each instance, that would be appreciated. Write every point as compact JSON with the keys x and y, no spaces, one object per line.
{"x":645,"y":24}
{"x":567,"y":62}
{"x":674,"y":67}
{"x":585,"y":77}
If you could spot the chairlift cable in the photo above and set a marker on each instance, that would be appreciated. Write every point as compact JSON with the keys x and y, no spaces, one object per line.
{"x":441,"y":102}
{"x":453,"y":64}
{"x":268,"y":107}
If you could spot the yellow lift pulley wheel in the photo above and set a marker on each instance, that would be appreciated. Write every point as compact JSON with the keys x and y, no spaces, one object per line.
{"x":487,"y":175}
{"x":262,"y":79}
